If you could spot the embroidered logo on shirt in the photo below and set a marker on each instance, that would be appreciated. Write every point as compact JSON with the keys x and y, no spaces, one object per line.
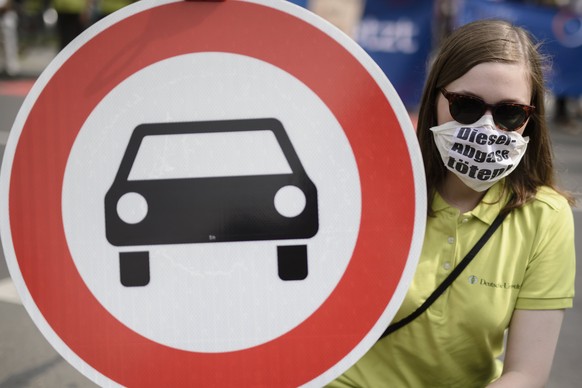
{"x":483,"y":282}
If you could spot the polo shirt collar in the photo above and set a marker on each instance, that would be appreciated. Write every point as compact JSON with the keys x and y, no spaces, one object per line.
{"x":487,"y":210}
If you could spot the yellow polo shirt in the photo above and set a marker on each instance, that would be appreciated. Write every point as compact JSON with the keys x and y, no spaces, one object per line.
{"x":528,"y":263}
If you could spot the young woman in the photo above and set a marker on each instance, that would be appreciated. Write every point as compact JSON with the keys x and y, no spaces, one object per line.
{"x":486,"y":149}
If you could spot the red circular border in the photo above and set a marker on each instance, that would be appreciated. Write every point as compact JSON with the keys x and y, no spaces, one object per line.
{"x":285,"y":41}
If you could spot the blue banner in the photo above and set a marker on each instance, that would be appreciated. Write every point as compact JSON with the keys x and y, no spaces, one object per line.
{"x":302,"y":3}
{"x":559,"y":30}
{"x":397,"y":35}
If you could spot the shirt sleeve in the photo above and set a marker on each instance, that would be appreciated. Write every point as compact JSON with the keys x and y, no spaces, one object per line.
{"x":549,"y":279}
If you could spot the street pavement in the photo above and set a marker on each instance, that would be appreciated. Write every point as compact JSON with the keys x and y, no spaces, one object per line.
{"x":28,"y":360}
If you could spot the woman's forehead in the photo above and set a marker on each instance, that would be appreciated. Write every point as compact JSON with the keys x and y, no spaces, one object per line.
{"x":496,"y":81}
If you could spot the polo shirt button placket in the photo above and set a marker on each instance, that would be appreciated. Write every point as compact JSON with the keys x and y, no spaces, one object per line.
{"x":438,"y":308}
{"x":447,"y":264}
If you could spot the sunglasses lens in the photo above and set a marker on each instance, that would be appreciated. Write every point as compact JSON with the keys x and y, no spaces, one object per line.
{"x":509,"y":116}
{"x":466,"y":110}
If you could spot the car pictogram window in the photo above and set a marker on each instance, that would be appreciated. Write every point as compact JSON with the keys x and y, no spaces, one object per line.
{"x":214,"y":154}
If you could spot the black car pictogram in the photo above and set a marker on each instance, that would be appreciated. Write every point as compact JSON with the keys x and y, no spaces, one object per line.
{"x":194,"y":207}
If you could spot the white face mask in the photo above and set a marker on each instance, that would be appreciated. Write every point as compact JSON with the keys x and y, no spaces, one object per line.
{"x":479,"y":154}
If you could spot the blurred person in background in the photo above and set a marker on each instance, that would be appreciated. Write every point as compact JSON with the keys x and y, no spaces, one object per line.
{"x":567,"y":113}
{"x":568,"y":110}
{"x":73,"y":18}
{"x":10,"y":65}
{"x":102,"y":8}
{"x":344,"y":14}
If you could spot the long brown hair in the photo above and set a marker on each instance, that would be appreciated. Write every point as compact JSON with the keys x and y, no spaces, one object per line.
{"x":490,"y":41}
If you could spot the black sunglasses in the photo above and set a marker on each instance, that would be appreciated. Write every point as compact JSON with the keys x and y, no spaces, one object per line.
{"x":468,"y":109}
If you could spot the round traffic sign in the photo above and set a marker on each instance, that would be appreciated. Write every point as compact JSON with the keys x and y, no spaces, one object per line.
{"x":348,"y":198}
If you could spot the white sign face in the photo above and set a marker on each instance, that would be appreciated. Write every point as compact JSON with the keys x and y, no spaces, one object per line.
{"x":244,"y":302}
{"x":237,"y":198}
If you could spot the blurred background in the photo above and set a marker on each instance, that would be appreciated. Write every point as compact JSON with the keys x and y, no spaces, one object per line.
{"x":400,"y":35}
